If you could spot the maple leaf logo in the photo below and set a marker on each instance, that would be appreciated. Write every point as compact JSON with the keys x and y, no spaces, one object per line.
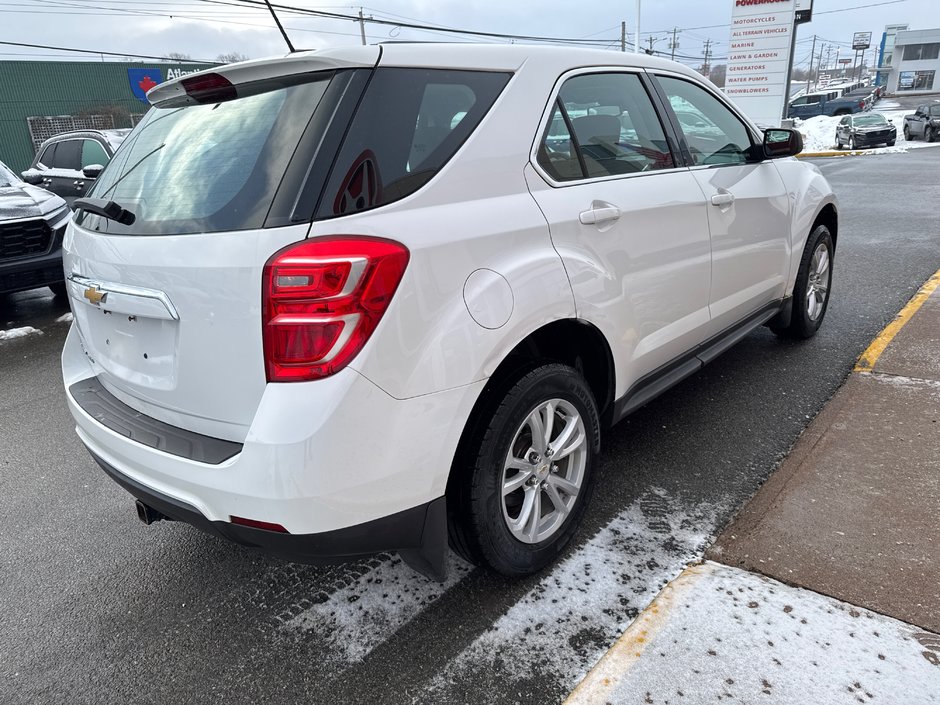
{"x":146,"y":84}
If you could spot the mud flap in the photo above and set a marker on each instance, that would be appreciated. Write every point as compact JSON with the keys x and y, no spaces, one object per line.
{"x":430,"y":558}
{"x":782,"y":320}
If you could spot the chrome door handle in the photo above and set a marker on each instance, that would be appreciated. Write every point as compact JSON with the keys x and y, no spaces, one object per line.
{"x":722,"y":199}
{"x":602,"y":214}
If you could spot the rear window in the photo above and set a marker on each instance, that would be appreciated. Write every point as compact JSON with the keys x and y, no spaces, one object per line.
{"x":207,"y":168}
{"x":408,"y":126}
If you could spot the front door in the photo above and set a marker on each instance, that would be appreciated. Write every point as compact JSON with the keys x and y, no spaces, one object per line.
{"x":748,"y":206}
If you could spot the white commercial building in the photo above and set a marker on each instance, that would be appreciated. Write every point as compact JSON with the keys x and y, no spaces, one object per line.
{"x":915,"y":62}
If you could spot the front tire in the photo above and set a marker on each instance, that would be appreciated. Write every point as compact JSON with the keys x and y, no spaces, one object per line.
{"x":518,"y":492}
{"x":813,"y":282}
{"x":907,"y":133}
{"x":928,"y":134}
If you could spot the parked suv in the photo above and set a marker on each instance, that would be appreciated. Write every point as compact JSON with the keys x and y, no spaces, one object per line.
{"x":382,"y":298}
{"x":923,"y":122}
{"x":32,"y":224}
{"x":68,"y":164}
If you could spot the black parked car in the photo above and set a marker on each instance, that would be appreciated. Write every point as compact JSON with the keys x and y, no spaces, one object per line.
{"x":32,"y":223}
{"x":865,"y":130}
{"x":68,"y":164}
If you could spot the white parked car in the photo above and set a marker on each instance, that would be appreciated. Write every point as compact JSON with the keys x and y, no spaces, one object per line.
{"x":376,"y":298}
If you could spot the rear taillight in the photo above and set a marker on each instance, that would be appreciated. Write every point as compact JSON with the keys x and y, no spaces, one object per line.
{"x":861,"y":104}
{"x":209,"y":88}
{"x":322,"y":299}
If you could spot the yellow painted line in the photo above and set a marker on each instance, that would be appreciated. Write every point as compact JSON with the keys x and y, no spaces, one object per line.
{"x":627,"y":650}
{"x":866,"y":362}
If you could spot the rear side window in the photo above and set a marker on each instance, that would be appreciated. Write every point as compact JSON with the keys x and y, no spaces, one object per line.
{"x":409,"y":124}
{"x":207,"y":168}
{"x":48,"y":155}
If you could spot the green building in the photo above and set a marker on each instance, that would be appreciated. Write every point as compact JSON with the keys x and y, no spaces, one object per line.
{"x":41,"y":98}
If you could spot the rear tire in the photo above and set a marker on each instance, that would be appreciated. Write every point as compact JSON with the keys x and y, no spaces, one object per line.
{"x":514,"y":501}
{"x":907,"y":133}
{"x":928,"y":134}
{"x":813,"y":283}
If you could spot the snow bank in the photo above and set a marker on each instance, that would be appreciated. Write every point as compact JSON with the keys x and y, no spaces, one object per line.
{"x":65,"y":318}
{"x":19,"y":332}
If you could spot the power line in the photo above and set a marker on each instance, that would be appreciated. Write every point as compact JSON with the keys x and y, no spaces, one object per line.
{"x":108,"y":53}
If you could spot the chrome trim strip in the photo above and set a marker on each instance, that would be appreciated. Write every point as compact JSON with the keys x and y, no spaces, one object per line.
{"x":126,"y":290}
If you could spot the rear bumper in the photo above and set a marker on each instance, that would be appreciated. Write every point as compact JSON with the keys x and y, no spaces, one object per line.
{"x":403,"y":530}
{"x":321,"y":456}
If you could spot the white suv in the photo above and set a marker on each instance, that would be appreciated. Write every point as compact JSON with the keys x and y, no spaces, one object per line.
{"x":376,"y":298}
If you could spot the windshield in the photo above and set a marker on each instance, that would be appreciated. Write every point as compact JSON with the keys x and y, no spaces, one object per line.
{"x":870,"y":120}
{"x":206,"y":168}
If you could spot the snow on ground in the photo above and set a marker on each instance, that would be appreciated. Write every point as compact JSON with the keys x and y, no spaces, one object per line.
{"x":65,"y":318}
{"x":819,"y":133}
{"x":359,"y":617}
{"x":563,"y":625}
{"x":19,"y":332}
{"x":721,"y":633}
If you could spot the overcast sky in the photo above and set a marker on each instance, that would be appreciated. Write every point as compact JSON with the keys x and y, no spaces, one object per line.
{"x":203,"y":29}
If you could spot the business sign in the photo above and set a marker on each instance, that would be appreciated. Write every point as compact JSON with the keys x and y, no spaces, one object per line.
{"x":804,"y":11}
{"x":759,"y":57}
{"x":845,"y":61}
{"x":143,"y":79}
{"x":861,"y":40}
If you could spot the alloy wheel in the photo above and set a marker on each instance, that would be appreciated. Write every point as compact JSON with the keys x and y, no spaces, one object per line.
{"x":544,"y":471}
{"x":817,"y":285}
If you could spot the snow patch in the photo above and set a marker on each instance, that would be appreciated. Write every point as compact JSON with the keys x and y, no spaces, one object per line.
{"x":904,"y":382}
{"x":566,"y":623}
{"x":19,"y":332}
{"x":737,"y":636}
{"x":359,"y":617}
{"x":65,"y":318}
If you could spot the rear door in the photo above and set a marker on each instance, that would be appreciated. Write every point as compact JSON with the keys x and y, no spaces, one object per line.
{"x":748,"y":205}
{"x":628,"y":220}
{"x":64,"y":170}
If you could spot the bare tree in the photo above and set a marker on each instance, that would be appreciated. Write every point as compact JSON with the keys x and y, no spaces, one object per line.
{"x":232,"y":57}
{"x":178,"y":56}
{"x":717,"y":74}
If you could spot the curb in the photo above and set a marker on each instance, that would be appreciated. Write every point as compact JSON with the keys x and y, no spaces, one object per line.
{"x":834,"y":153}
{"x":866,"y":361}
{"x":628,"y":649}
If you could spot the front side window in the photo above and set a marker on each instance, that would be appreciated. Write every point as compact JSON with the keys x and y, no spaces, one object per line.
{"x":407,"y":127}
{"x":93,"y":153}
{"x":723,"y":140}
{"x":615,"y":129}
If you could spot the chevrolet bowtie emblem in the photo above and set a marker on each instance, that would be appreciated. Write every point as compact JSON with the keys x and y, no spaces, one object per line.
{"x":95,"y":295}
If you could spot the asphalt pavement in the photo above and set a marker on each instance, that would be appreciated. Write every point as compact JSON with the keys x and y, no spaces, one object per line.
{"x":95,"y":607}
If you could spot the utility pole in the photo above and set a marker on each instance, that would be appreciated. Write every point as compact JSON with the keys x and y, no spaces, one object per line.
{"x":673,"y":45}
{"x":362,"y":27}
{"x":651,"y":40}
{"x":819,"y":63}
{"x":636,"y":44}
{"x":705,"y":66}
{"x":812,"y":55}
{"x":623,"y":36}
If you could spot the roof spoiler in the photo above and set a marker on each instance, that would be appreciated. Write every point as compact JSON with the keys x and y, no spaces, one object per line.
{"x":248,"y":77}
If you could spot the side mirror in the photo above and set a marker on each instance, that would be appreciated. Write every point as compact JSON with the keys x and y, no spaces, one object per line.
{"x":782,"y":142}
{"x":32,"y":176}
{"x":92,"y":170}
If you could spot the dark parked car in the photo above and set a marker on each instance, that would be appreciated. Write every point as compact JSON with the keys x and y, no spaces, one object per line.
{"x":32,"y":222}
{"x":923,"y":123}
{"x":68,"y":164}
{"x":865,"y":130}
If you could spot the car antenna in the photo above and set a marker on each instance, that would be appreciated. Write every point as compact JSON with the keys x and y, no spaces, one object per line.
{"x":280,"y":26}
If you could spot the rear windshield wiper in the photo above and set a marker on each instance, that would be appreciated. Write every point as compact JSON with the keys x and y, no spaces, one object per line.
{"x":106,"y":209}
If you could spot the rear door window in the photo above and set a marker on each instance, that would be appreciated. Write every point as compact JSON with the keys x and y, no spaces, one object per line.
{"x":67,"y":155}
{"x":408,"y":126}
{"x":616,"y":129}
{"x":48,"y":155}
